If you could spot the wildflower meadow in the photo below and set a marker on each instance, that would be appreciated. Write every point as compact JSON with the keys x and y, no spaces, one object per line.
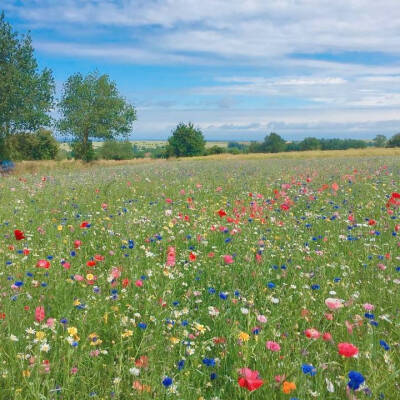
{"x":204,"y":280}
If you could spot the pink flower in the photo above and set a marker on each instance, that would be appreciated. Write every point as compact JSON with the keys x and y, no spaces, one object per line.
{"x":262,"y":319}
{"x":50,"y":322}
{"x":79,"y":278}
{"x":39,"y":314}
{"x":334,"y":304}
{"x":228,"y":259}
{"x":312,"y":333}
{"x":171,"y":256}
{"x":273,"y":346}
{"x":139,"y":283}
{"x":368,"y":307}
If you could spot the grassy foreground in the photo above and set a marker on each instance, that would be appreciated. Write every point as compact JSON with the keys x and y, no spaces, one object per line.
{"x":153,"y":280}
{"x":47,"y":166}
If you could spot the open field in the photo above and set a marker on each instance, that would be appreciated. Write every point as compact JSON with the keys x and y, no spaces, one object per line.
{"x":165,"y":279}
{"x":151,"y":143}
{"x":48,"y":166}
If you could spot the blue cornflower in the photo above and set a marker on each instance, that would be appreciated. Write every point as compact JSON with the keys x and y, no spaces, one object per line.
{"x":356,"y":379}
{"x":213,"y":376}
{"x":181,"y":364}
{"x":142,"y":325}
{"x":223,"y":295}
{"x":210,"y":362}
{"x":384,"y":345}
{"x":315,"y":287}
{"x":308,"y":369}
{"x":167,"y":381}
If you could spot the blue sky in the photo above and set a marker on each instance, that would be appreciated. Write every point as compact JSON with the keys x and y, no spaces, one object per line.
{"x":237,"y":69}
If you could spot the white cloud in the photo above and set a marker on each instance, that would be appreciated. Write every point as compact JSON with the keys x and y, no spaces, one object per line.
{"x":257,"y":35}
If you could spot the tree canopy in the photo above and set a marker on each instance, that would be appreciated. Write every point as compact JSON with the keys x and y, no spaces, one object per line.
{"x":92,"y":107}
{"x":186,"y":141}
{"x":273,"y":143}
{"x":26,"y":93}
{"x":394,"y":141}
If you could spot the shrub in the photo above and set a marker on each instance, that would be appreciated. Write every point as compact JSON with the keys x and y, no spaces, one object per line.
{"x":40,"y":145}
{"x":114,"y":150}
{"x":215,"y":150}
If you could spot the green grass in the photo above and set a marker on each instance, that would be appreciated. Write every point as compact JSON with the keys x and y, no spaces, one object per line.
{"x":306,"y":257}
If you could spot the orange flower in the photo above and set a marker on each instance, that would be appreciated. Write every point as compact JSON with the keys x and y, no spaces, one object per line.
{"x":288,"y":387}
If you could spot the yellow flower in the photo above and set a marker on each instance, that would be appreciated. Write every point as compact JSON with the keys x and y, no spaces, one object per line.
{"x":200,"y":327}
{"x":59,"y":228}
{"x":72,"y":331}
{"x":26,"y":373}
{"x":174,"y":340}
{"x":77,"y":302}
{"x":40,"y":335}
{"x":244,"y":337}
{"x":127,"y":333}
{"x":94,"y":339}
{"x":89,"y":277}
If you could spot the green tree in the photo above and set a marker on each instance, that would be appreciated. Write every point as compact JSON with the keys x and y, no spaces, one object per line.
{"x":394,"y":141}
{"x":273,"y":143}
{"x":380,"y":141}
{"x":26,"y":94}
{"x":310,"y":143}
{"x":91,"y":107}
{"x":186,"y":141}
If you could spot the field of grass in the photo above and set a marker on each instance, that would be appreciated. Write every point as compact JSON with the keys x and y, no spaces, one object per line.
{"x":152,"y":143}
{"x":229,"y":277}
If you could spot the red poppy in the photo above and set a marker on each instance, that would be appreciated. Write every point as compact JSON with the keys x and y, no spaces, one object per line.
{"x":99,"y":257}
{"x":142,"y":362}
{"x":91,"y":263}
{"x":394,"y":200}
{"x":221,"y":213}
{"x":43,"y":264}
{"x":84,"y":224}
{"x":77,"y":244}
{"x":26,"y":252}
{"x":19,"y":235}
{"x":250,"y":379}
{"x":192,"y":256}
{"x":285,"y":207}
{"x":125,"y":282}
{"x":347,"y":349}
